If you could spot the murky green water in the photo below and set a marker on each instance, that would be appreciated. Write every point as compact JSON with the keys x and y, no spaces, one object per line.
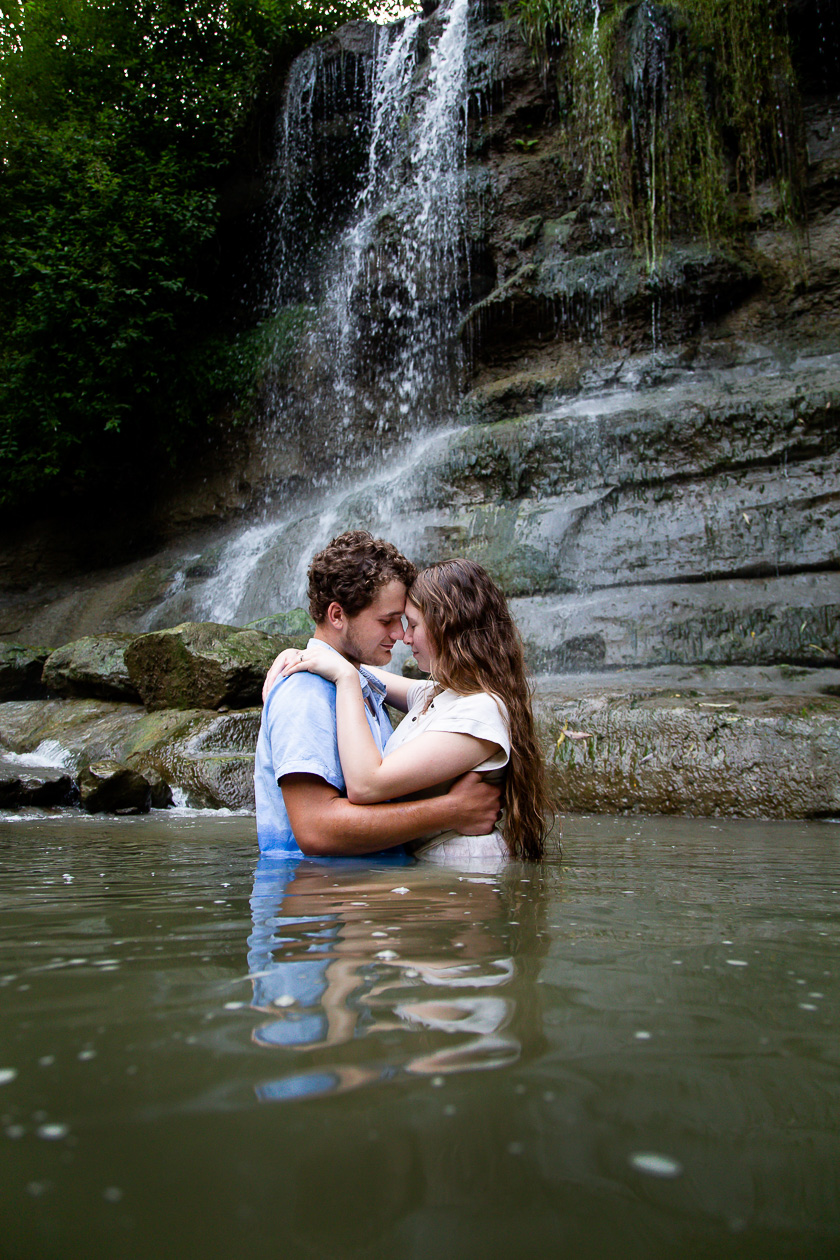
{"x":634,"y":1053}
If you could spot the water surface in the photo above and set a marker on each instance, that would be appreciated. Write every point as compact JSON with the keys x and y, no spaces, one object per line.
{"x":633,"y":1052}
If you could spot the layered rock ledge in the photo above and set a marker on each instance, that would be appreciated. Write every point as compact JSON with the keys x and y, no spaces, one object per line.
{"x":750,"y":743}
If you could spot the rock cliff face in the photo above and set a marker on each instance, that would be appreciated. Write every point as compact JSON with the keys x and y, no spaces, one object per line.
{"x":646,"y":459}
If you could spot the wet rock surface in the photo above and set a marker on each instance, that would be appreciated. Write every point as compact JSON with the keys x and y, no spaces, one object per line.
{"x":91,"y":666}
{"x":750,"y":742}
{"x":109,"y":787}
{"x":694,"y":744}
{"x":41,"y":786}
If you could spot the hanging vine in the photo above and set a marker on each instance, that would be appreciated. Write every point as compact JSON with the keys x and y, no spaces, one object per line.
{"x":675,"y":106}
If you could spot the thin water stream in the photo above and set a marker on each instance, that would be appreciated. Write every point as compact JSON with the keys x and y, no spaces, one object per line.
{"x":633,"y":1052}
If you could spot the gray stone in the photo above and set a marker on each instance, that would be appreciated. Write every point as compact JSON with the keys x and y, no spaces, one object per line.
{"x":750,"y":621}
{"x":202,"y":665}
{"x":92,"y":666}
{"x":206,"y":756}
{"x":706,"y":754}
{"x":109,"y":787}
{"x":39,"y":786}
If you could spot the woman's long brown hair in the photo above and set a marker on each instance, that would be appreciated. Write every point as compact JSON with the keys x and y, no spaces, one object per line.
{"x":477,"y":647}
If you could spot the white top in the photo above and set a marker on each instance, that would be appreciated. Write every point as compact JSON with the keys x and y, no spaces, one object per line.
{"x":482,"y":715}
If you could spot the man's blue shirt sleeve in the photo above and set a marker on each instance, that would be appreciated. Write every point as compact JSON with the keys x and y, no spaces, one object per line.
{"x":301,"y":727}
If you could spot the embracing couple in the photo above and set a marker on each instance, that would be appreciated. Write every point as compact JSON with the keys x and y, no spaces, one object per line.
{"x":334,"y":780}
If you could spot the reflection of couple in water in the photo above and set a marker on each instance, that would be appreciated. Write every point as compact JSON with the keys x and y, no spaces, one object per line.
{"x":435,"y":980}
{"x":333,"y":779}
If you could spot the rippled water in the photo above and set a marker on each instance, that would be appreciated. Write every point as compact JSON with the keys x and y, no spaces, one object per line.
{"x":632,"y":1053}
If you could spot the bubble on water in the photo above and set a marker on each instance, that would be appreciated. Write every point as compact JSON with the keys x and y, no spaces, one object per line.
{"x":112,"y":1194}
{"x":437,"y":1081}
{"x":68,"y":879}
{"x":285,"y":999}
{"x":737,"y":962}
{"x":86,"y":1055}
{"x":450,"y":1110}
{"x":655,"y":1165}
{"x":387,"y":955}
{"x":515,"y":1148}
{"x":816,"y":995}
{"x":53,"y":1132}
{"x":7,"y":1074}
{"x":401,"y":891}
{"x":808,"y":1006}
{"x":642,"y":1035}
{"x":411,"y":973}
{"x":234,"y":1006}
{"x":379,"y":933}
{"x":15,"y":1131}
{"x":37,"y":1188}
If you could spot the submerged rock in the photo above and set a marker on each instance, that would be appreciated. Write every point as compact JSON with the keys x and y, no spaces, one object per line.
{"x":109,"y":787}
{"x":92,"y":666}
{"x":40,"y":786}
{"x":201,"y":665}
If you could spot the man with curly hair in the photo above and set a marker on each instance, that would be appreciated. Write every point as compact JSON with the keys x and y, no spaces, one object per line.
{"x":357,"y":589}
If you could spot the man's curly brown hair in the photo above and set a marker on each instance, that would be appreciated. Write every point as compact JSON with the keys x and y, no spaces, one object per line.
{"x":351,"y":571}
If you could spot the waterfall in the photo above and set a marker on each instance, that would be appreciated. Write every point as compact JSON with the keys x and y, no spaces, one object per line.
{"x":380,"y":366}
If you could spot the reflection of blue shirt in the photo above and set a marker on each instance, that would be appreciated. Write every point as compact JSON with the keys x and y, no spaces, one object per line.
{"x":298,"y":736}
{"x":288,"y":957}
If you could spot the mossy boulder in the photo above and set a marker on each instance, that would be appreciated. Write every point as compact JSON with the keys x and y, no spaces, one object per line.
{"x":93,"y":666}
{"x":201,"y":665}
{"x":20,"y":671}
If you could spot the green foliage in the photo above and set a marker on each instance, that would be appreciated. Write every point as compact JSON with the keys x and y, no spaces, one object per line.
{"x":116,"y":119}
{"x":675,"y":103}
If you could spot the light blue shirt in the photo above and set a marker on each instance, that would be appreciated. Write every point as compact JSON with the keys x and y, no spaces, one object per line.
{"x":298,"y":736}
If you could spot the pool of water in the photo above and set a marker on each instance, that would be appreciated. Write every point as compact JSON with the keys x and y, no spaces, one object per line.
{"x":632,"y":1052}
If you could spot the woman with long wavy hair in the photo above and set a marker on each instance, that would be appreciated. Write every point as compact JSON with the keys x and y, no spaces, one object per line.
{"x":474,"y":713}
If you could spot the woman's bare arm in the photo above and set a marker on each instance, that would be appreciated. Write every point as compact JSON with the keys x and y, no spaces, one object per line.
{"x":432,"y":758}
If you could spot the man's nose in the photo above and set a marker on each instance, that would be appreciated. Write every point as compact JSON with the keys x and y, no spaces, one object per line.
{"x":398,"y":632}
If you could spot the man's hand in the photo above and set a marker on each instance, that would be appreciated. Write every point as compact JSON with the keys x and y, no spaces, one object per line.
{"x":476,"y":804}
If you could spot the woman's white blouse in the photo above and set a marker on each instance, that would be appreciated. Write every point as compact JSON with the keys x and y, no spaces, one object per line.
{"x":481,"y":715}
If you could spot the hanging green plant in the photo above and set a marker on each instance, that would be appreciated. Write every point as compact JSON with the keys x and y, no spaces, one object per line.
{"x":675,"y":106}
